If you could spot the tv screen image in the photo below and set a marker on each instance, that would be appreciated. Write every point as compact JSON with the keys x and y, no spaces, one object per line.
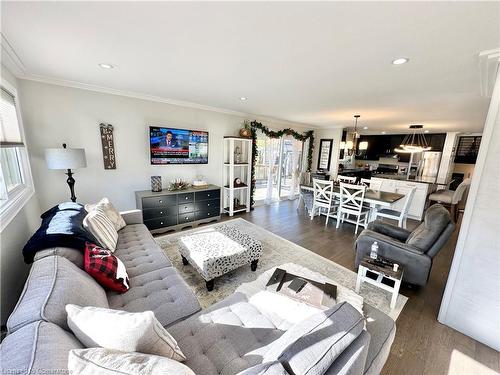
{"x":178,"y":146}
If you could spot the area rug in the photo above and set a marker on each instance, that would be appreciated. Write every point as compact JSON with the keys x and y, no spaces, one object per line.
{"x":275,"y":251}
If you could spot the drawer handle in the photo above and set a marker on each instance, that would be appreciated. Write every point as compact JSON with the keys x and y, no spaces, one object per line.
{"x":187,"y":217}
{"x":160,"y":201}
{"x":186,"y":198}
{"x":208,"y":195}
{"x":208,"y":214}
{"x":208,"y":204}
{"x":161,"y":212}
{"x":161,"y":222}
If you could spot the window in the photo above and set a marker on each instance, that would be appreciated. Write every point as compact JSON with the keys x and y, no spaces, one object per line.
{"x":467,"y":149}
{"x":15,"y":176}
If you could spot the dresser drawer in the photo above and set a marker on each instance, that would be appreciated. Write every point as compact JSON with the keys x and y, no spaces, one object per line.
{"x":185,"y":197}
{"x":185,"y":208}
{"x":206,"y":195}
{"x":159,"y":201}
{"x":209,"y":205}
{"x":161,"y":222}
{"x":206,"y":214}
{"x":153,"y":213}
{"x":186,"y":218}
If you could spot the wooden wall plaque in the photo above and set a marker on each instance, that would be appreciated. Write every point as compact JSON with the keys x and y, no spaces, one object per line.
{"x":108,"y":146}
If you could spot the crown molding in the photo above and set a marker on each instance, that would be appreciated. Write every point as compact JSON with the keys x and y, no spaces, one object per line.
{"x":489,"y":63}
{"x":11,"y":59}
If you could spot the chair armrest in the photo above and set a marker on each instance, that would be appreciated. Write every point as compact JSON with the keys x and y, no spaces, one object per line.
{"x":132,"y":217}
{"x":368,"y":236}
{"x":389,"y":230}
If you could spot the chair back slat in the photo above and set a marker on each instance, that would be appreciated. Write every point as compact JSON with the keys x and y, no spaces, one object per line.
{"x":408,"y":199}
{"x":347,"y":179}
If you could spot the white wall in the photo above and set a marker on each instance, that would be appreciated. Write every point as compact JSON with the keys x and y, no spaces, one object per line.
{"x":56,"y":114}
{"x":336,"y":135}
{"x":12,"y":239}
{"x":471,"y":302}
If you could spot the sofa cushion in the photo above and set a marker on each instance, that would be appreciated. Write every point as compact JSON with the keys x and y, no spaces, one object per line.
{"x":97,"y":223}
{"x":311,"y":346}
{"x":113,"y":215}
{"x":436,"y":220}
{"x":268,"y":368}
{"x":52,"y":283}
{"x":62,"y":226}
{"x":138,"y":250}
{"x":382,"y":330}
{"x":121,"y":330}
{"x":162,"y":291}
{"x":37,"y":348}
{"x":226,"y":338}
{"x":106,"y":269}
{"x":74,"y":255}
{"x":109,"y":362}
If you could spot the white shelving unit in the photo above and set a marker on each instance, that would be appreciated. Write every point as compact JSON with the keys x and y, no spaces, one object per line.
{"x":233,"y":170}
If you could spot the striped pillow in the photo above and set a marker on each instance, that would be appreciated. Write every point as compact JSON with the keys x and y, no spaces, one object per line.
{"x":98,"y":223}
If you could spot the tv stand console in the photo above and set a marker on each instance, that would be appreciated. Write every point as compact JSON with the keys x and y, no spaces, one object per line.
{"x":174,"y":210}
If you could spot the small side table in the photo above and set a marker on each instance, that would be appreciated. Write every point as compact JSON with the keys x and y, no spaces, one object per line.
{"x":366,"y":267}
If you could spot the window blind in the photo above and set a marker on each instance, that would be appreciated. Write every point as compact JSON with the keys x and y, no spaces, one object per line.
{"x":10,"y":134}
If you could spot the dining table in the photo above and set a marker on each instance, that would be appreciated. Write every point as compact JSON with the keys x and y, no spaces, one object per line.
{"x":377,"y":199}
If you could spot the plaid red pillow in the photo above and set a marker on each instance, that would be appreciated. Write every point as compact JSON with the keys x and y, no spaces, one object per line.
{"x":106,"y":268}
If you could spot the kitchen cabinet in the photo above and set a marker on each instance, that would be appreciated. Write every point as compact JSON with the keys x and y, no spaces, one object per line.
{"x":417,"y":204}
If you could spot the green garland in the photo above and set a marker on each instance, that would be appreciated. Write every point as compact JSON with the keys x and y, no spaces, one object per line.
{"x":254,"y":126}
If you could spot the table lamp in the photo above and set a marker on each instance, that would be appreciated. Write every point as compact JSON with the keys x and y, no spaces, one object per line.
{"x":66,"y":158}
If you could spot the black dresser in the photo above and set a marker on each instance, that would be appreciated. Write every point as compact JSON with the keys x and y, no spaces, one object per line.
{"x":172,"y":210}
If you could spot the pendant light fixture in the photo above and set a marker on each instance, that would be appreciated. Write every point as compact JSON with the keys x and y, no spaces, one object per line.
{"x":352,"y":146}
{"x":414,"y":142}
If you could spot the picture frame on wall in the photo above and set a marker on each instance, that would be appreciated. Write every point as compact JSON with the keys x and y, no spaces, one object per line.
{"x":325,"y":154}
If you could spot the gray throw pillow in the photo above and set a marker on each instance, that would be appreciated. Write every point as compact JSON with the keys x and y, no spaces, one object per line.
{"x":312,"y":345}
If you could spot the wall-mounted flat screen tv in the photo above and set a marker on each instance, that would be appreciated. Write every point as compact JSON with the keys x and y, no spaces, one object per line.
{"x":177,"y":146}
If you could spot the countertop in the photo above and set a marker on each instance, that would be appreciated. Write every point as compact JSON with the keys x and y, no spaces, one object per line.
{"x":400,"y":177}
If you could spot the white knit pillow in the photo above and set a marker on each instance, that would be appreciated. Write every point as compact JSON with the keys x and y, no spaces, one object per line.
{"x":110,"y":212}
{"x":121,"y":330}
{"x":98,"y":223}
{"x":102,"y":361}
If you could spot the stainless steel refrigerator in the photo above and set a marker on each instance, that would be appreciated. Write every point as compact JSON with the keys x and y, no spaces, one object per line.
{"x":429,"y":164}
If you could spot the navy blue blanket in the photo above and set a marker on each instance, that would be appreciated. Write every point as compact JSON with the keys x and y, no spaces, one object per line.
{"x":62,"y":226}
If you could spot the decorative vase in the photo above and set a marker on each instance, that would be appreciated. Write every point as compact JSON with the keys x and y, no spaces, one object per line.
{"x":156,"y":184}
{"x":244,"y":132}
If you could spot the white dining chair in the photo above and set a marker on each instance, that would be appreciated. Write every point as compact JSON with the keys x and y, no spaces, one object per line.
{"x":366,"y":182}
{"x":347,"y":179}
{"x":351,"y":203}
{"x":323,"y":199}
{"x":400,"y":216}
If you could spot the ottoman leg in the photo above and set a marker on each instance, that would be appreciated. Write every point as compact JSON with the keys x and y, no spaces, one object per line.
{"x":184,"y":261}
{"x":210,"y":285}
{"x":253,"y":265}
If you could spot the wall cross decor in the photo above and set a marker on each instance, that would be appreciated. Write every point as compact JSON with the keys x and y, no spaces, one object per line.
{"x":108,"y":146}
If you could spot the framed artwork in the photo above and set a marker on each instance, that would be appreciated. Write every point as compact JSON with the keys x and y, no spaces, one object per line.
{"x":325,"y":154}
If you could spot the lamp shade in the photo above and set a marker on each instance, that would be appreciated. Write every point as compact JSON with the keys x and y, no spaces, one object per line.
{"x":65,"y":158}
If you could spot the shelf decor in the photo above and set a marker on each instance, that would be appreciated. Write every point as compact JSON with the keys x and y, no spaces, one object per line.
{"x":255,"y":125}
{"x":178,"y":184}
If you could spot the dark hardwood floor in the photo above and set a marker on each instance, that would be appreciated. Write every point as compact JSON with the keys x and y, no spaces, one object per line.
{"x":422,"y":345}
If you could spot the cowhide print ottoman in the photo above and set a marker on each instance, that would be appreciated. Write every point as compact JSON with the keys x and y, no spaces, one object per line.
{"x":218,"y":250}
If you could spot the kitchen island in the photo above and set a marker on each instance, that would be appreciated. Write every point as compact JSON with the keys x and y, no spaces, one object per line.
{"x":397,"y":183}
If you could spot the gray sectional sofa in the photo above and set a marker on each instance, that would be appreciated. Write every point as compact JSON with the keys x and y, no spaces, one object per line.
{"x":233,"y":336}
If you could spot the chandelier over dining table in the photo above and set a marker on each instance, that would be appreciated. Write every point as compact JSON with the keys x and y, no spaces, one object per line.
{"x":414,"y":142}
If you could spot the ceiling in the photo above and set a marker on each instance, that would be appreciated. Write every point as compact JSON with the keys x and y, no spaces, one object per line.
{"x":317,"y":63}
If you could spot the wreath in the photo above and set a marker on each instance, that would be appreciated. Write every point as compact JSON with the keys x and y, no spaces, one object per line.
{"x":254,"y":126}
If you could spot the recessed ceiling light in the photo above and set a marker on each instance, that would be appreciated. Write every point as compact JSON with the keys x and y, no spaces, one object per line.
{"x":106,"y":66}
{"x":365,"y":127}
{"x":383,"y":132}
{"x":426,"y":131}
{"x":401,"y":60}
{"x":243,"y":98}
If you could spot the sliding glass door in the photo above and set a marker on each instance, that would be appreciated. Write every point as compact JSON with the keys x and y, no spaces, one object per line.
{"x":277,"y":168}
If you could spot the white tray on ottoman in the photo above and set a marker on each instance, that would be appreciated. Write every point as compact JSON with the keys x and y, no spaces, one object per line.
{"x":216,"y":252}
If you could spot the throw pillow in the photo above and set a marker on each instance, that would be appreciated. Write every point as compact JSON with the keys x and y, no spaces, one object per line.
{"x":94,"y":361}
{"x":110,"y":211}
{"x":121,"y":330}
{"x":97,"y":223}
{"x":107,"y":269}
{"x":62,"y":226}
